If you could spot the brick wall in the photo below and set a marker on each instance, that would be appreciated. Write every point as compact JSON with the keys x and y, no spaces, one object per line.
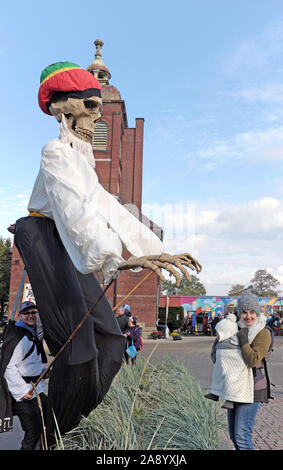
{"x":119,"y":170}
{"x":16,"y":275}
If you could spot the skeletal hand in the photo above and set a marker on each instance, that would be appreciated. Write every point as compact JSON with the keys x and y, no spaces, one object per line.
{"x":164,"y":261}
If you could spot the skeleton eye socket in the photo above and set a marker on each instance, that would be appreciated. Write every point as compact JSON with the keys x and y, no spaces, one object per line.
{"x":91,"y":105}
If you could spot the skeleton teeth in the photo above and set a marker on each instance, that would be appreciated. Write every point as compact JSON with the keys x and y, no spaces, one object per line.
{"x":84,"y":132}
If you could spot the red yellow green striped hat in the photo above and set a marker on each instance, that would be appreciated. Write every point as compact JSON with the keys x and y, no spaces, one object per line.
{"x":65,"y":79}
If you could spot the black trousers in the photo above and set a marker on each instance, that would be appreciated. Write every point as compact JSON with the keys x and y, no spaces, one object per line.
{"x":83,"y":373}
{"x":31,"y":420}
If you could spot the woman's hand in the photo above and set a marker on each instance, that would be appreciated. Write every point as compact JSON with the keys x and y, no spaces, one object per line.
{"x":243,"y":336}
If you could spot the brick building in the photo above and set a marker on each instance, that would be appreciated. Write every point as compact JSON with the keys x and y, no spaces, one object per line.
{"x":118,"y":152}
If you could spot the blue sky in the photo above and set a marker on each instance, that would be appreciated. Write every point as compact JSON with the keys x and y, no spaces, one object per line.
{"x":207,"y":77}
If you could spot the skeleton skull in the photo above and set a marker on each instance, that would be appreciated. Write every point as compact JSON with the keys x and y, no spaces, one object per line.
{"x":81,"y":115}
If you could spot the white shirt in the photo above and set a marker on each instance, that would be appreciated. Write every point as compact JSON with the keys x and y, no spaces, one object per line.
{"x":17,"y":369}
{"x":92,"y":224}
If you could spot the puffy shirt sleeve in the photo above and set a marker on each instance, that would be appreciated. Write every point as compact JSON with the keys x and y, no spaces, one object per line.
{"x":16,"y":384}
{"x":92,"y":224}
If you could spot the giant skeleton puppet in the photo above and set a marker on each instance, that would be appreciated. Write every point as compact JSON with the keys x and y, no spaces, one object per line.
{"x":76,"y":228}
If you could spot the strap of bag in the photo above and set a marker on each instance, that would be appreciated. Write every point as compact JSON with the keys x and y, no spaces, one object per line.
{"x":29,"y":352}
{"x":39,"y":347}
{"x":267,"y":379}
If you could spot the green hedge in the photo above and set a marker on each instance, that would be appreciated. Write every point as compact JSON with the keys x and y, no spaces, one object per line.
{"x":175,"y":317}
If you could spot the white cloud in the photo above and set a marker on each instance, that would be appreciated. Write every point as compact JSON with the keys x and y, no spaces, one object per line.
{"x":269,"y":93}
{"x":255,"y":219}
{"x":232,"y":241}
{"x":257,"y":51}
{"x":250,"y":146}
{"x":13,"y":205}
{"x":246,"y":127}
{"x":250,"y":92}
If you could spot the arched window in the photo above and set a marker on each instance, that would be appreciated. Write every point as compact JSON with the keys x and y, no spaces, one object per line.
{"x":99,"y":141}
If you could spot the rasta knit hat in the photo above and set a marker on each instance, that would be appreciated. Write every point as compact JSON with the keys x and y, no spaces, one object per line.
{"x":65,"y":79}
{"x":248,"y":301}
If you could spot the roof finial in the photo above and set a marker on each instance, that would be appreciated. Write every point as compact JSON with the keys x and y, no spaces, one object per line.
{"x":97,"y":67}
{"x":98,"y":44}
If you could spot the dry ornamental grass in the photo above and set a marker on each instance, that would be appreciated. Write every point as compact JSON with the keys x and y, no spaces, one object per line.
{"x":150,"y":407}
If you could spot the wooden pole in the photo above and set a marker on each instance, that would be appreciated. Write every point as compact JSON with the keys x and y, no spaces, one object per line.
{"x":84,"y":319}
{"x":76,"y":330}
{"x":134,"y":288}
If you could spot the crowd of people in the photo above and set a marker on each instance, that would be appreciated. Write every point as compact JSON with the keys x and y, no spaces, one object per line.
{"x":240,"y":353}
{"x":206,"y":322}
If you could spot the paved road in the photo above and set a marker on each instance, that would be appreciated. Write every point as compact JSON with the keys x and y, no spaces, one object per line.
{"x":193,"y":352}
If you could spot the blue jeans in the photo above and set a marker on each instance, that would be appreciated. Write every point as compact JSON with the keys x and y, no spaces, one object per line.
{"x":241,"y":421}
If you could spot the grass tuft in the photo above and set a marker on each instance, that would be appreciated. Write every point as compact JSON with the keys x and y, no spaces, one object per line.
{"x":150,"y":406}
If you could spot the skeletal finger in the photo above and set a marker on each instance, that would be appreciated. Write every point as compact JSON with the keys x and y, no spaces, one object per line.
{"x":182,"y":269}
{"x":171,"y":270}
{"x":153,"y":267}
{"x":142,"y":263}
{"x":132,"y":262}
{"x":189,"y":264}
{"x":197,"y":265}
{"x":188,"y":256}
{"x":165,"y":257}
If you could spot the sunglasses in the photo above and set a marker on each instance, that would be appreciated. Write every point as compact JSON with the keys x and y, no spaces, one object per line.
{"x":34,"y":312}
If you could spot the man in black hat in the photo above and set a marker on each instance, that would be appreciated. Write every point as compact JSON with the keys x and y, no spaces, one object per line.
{"x":22,"y":363}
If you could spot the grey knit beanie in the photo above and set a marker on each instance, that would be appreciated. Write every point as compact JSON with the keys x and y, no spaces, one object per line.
{"x":248,"y":301}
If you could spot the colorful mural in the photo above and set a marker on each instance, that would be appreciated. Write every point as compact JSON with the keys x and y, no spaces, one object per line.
{"x":213,"y":305}
{"x":216,"y":306}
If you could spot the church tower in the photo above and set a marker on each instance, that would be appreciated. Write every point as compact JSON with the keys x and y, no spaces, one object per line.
{"x":118,"y":153}
{"x":118,"y":149}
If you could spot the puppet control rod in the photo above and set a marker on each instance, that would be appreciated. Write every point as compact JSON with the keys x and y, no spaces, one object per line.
{"x":155,"y":263}
{"x":76,"y":330}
